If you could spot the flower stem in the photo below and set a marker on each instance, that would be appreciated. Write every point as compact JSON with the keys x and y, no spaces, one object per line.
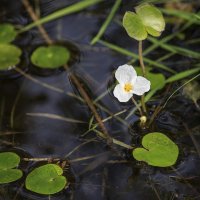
{"x":143,"y":104}
{"x":137,"y":106}
{"x":143,"y":72}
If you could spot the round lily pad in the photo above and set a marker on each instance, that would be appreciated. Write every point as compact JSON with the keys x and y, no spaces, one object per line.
{"x":9,"y":56}
{"x":7,"y":33}
{"x":8,"y":161}
{"x":158,"y":150}
{"x":134,"y":26}
{"x":50,"y":57}
{"x":152,"y":19}
{"x":46,"y":179}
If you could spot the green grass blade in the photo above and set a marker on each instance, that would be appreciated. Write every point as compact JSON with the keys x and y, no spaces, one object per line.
{"x":131,"y":54}
{"x":60,"y":13}
{"x":166,"y":39}
{"x":182,"y":75}
{"x":107,"y":22}
{"x":176,"y":49}
{"x":179,"y":89}
{"x":191,"y":17}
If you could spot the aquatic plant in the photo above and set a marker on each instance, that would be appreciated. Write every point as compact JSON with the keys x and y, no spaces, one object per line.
{"x":8,"y":163}
{"x":46,"y":179}
{"x":129,"y":83}
{"x":157,"y":149}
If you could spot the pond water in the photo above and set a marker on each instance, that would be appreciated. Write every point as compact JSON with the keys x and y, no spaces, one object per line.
{"x":28,"y":108}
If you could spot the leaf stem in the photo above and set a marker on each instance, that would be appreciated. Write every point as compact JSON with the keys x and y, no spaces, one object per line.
{"x":141,"y":58}
{"x":143,"y":72}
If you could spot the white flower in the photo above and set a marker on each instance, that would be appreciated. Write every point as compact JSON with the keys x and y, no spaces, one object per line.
{"x":129,"y":83}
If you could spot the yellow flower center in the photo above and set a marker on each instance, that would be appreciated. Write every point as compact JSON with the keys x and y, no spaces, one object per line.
{"x":128,"y":87}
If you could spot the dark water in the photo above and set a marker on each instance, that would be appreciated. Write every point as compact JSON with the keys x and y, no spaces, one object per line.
{"x":105,"y":175}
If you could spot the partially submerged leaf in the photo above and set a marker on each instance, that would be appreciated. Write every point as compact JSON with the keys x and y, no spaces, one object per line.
{"x":8,"y":161}
{"x":191,"y":91}
{"x":7,"y":33}
{"x":152,"y":18}
{"x":157,"y":79}
{"x":9,"y":56}
{"x":134,"y":26}
{"x":50,"y":57}
{"x":158,"y":150}
{"x":46,"y":179}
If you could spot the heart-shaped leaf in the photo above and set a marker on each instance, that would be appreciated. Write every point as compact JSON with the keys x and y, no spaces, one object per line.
{"x":7,"y":33}
{"x":8,"y":161}
{"x":50,"y":57}
{"x":9,"y":56}
{"x":147,"y":20}
{"x":152,"y":19}
{"x":158,"y":150}
{"x":46,"y":179}
{"x":134,"y":26}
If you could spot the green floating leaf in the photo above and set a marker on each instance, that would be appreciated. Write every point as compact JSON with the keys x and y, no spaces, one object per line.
{"x":7,"y":33}
{"x":46,"y":180}
{"x":134,"y":26}
{"x":152,"y":19}
{"x":147,"y":20}
{"x":158,"y":150}
{"x":9,"y":56}
{"x":50,"y":57}
{"x":8,"y":161}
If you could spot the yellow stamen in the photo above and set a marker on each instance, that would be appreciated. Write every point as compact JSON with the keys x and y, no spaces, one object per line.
{"x":128,"y":87}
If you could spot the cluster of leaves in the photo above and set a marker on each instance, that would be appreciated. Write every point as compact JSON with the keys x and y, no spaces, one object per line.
{"x":46,"y":179}
{"x":51,"y":57}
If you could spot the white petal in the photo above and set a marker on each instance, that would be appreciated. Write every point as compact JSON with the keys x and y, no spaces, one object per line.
{"x":126,"y":74}
{"x":120,"y":94}
{"x":141,"y":86}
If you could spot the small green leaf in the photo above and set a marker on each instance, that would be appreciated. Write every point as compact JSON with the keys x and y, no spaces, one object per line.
{"x":46,"y":180}
{"x":158,"y":150}
{"x":9,"y":56}
{"x":50,"y":57}
{"x":157,"y":80}
{"x":134,"y":26}
{"x":8,"y":161}
{"x":182,"y":75}
{"x":7,"y":33}
{"x":152,"y":19}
